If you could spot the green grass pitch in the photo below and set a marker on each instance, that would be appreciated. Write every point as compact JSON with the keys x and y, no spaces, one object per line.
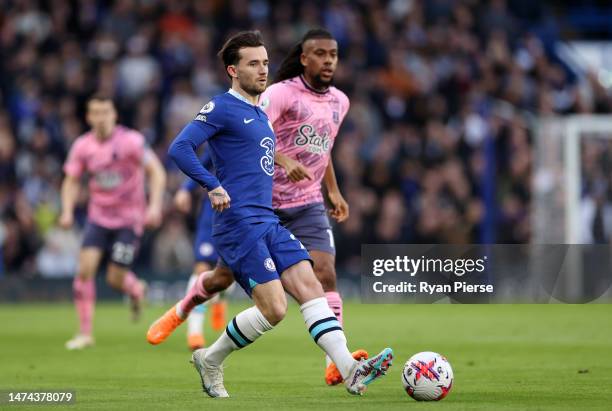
{"x":505,"y":357}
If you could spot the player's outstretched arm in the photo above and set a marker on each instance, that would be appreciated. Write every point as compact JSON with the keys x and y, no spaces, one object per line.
{"x":70,"y":194}
{"x":157,"y":184}
{"x":340,"y":208}
{"x":296,"y":171}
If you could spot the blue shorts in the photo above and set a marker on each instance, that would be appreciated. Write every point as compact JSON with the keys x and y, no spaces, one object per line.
{"x":310,"y":225}
{"x":259,"y":253}
{"x":203,"y":247}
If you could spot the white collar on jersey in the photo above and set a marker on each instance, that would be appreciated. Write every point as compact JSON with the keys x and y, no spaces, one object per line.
{"x":240,"y":97}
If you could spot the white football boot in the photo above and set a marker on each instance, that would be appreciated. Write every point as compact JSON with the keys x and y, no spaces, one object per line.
{"x":211,"y":376}
{"x":79,"y":342}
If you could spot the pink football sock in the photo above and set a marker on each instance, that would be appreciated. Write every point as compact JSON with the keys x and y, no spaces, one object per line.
{"x":335,"y":303}
{"x":84,"y":300}
{"x":132,"y":286}
{"x":196,"y":295}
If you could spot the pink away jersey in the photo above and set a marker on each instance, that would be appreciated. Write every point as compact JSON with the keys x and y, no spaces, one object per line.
{"x":116,"y":177}
{"x":306,"y":123}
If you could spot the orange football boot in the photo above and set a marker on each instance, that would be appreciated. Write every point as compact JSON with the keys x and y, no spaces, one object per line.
{"x":333,"y":376}
{"x":164,"y":326}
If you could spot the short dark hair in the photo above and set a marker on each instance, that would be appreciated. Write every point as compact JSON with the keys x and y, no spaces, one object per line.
{"x":100,"y":97}
{"x":230,"y":52}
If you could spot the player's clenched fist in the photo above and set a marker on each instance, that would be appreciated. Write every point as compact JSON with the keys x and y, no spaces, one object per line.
{"x":219,"y":199}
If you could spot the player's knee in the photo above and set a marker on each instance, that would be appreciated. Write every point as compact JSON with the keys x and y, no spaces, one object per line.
{"x":114,"y":279}
{"x":275,"y":312}
{"x":326,"y":274}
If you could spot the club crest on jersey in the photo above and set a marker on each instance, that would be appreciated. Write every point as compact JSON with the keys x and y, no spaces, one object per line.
{"x":264,"y":103}
{"x":208,"y":107}
{"x":269,"y":264}
{"x":308,"y":138}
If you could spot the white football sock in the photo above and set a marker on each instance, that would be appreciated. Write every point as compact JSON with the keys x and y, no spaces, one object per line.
{"x":325,"y":330}
{"x":244,"y":328}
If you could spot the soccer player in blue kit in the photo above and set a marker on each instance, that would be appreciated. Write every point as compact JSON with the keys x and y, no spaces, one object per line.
{"x":266,"y":258}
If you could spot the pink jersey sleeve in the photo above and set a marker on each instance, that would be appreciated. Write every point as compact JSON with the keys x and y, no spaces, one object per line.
{"x":274,"y":101}
{"x":137,"y":145}
{"x":75,"y":164}
{"x":345,"y":105}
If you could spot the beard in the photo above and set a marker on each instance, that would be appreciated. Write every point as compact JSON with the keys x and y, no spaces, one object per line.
{"x":253,"y":89}
{"x":319,"y":83}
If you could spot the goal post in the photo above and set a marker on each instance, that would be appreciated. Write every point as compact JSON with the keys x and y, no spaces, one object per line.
{"x":562,"y":207}
{"x":557,"y":175}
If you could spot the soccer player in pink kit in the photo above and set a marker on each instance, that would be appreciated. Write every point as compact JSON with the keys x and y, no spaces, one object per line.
{"x":115,"y":159}
{"x":306,"y":112}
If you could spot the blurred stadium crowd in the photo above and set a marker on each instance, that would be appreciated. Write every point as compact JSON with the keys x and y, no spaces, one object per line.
{"x":436,"y":147}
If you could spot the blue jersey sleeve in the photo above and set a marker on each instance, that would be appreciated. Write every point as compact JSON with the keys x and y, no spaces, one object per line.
{"x":206,"y":125}
{"x":190,"y":184}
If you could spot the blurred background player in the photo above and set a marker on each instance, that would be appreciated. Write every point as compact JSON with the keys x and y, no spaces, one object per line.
{"x":306,"y":112}
{"x":206,"y":257}
{"x":115,"y":160}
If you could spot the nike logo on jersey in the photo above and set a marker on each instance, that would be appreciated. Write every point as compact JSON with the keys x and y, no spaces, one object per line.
{"x":247,"y":121}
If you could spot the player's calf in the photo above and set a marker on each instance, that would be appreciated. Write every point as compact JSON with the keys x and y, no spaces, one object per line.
{"x":166,"y":324}
{"x":195,"y":320}
{"x":325,"y":269}
{"x":220,"y":279}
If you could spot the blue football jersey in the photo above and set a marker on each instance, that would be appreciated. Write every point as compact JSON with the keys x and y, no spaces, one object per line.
{"x":241,"y":143}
